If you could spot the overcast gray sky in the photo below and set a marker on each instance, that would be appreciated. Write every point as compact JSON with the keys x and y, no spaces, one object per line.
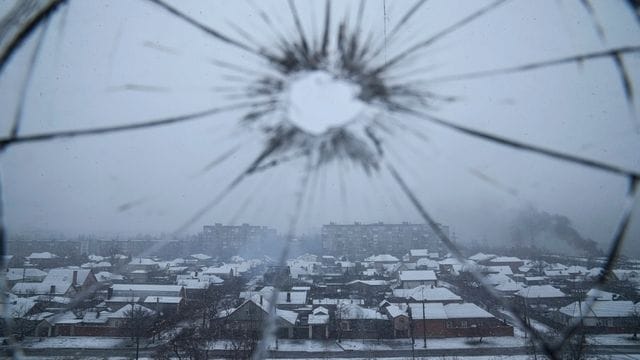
{"x":83,"y":79}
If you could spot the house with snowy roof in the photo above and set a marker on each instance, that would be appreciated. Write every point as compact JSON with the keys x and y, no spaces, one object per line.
{"x":602,"y":316}
{"x":482,"y":257}
{"x":541,"y":295}
{"x":90,"y":323}
{"x":426,"y":293}
{"x":357,"y":322}
{"x":400,"y":320}
{"x":455,"y":320}
{"x":142,"y":291}
{"x":15,"y":275}
{"x":416,"y":254}
{"x":427,"y":264}
{"x":249,"y":319}
{"x":44,"y":260}
{"x":319,"y":323}
{"x":511,"y":261}
{"x":58,"y":282}
{"x":412,"y":278}
{"x":378,"y":262}
{"x":374,"y":289}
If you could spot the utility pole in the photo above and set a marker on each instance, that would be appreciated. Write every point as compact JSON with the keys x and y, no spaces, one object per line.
{"x":424,"y":320}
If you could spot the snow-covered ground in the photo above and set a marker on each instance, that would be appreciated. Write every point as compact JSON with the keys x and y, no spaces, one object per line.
{"x":75,"y":342}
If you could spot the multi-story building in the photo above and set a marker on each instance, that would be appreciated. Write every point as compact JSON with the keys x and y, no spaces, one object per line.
{"x":360,"y":240}
{"x":229,"y":240}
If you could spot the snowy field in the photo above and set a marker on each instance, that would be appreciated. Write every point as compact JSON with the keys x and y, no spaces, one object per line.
{"x":75,"y":342}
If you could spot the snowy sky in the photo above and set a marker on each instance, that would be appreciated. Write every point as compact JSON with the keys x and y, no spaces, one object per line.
{"x":117,"y":62}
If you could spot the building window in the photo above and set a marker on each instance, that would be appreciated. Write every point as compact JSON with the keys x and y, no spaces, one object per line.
{"x":345,"y":325}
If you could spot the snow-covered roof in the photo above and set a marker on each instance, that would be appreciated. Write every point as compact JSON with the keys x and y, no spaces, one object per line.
{"x":450,"y":261}
{"x":602,"y":295}
{"x":26,"y":288}
{"x":125,"y":311}
{"x":449,"y":311}
{"x":91,"y":265}
{"x":465,"y":311}
{"x":96,"y":317}
{"x":64,"y":276}
{"x":107,"y":276}
{"x":295,"y":297}
{"x":431,"y":311}
{"x":192,"y":284}
{"x":146,"y":288}
{"x":426,"y":262}
{"x":600,"y":309}
{"x":481,"y":257}
{"x":419,"y":252}
{"x":496,"y":279}
{"x":201,"y":257}
{"x":499,"y":269}
{"x":123,"y":299}
{"x":369,"y":282}
{"x":418,"y":275}
{"x":19,"y":307}
{"x":42,"y":255}
{"x":319,"y":315}
{"x":540,"y":291}
{"x":429,"y":293}
{"x":163,"y":299}
{"x":505,"y":259}
{"x":328,"y":301}
{"x":510,"y":287}
{"x":395,"y":311}
{"x":353,"y":312}
{"x":96,"y":258}
{"x":286,"y":315}
{"x":382,"y":258}
{"x":19,"y":273}
{"x":142,"y":261}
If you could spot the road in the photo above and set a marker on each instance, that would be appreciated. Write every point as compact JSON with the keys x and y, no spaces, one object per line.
{"x":399,"y":353}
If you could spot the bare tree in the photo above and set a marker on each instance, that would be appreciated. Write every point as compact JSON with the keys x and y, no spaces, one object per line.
{"x":139,"y":324}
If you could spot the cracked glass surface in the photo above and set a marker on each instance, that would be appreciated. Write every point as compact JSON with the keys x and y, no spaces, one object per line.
{"x":165,"y":115}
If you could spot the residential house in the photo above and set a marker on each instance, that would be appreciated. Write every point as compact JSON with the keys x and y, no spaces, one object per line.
{"x":541,"y":296}
{"x":248,"y":319}
{"x":426,"y":293}
{"x":413,"y":278}
{"x":455,"y":320}
{"x":603,"y":316}
{"x":356,"y":322}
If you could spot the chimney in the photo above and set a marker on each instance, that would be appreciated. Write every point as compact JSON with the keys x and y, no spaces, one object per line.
{"x":52,"y":289}
{"x":74,"y":281}
{"x":109,"y":293}
{"x":260,"y":300}
{"x":97,"y":314}
{"x":288,"y":296}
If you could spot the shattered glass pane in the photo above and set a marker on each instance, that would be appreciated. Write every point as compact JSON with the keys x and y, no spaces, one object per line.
{"x":497,"y":124}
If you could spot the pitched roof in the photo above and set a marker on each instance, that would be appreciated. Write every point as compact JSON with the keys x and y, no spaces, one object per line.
{"x":419,"y":252}
{"x":18,"y":273}
{"x":353,"y":312}
{"x":540,"y":291}
{"x":424,"y":292}
{"x":600,"y":309}
{"x":449,"y":311}
{"x":125,"y":311}
{"x":63,"y":276}
{"x":418,"y":275}
{"x":42,"y":255}
{"x":382,"y":258}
